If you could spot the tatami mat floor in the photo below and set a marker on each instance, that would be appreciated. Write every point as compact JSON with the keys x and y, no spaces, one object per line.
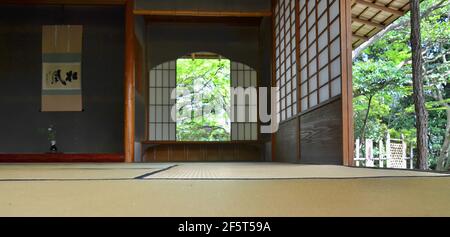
{"x":338,"y":191}
{"x":223,"y":170}
{"x":76,"y":171}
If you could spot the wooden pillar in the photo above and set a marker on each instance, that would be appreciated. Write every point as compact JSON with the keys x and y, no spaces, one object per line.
{"x":347,"y":87}
{"x":273,"y":109}
{"x":129,"y":83}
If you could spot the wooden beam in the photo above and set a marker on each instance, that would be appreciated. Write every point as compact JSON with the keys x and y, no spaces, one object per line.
{"x":252,"y":142}
{"x":65,"y":2}
{"x":201,"y":13}
{"x":367,"y":22}
{"x":380,"y":7}
{"x":299,"y":66}
{"x":347,"y":86}
{"x":360,"y":37}
{"x":60,"y":157}
{"x":129,"y":83}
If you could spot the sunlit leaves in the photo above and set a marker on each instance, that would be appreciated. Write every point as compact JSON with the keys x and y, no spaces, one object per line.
{"x":383,"y":72}
{"x":202,"y":111}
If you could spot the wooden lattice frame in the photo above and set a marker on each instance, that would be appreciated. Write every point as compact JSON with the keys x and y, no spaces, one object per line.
{"x":285,"y":58}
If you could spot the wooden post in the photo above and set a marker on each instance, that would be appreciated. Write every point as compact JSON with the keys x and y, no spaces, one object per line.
{"x":369,"y":153}
{"x":347,"y":88}
{"x":388,"y":150}
{"x":380,"y":154}
{"x":404,"y":152}
{"x":129,"y":83}
{"x":357,"y":152}
{"x":411,"y":157}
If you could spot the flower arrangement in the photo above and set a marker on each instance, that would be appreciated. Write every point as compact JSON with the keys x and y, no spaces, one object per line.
{"x":51,"y":133}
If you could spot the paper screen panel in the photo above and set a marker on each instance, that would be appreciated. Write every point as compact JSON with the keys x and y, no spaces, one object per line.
{"x":320,"y":52}
{"x":244,"y":125}
{"x":162,"y":82}
{"x":285,"y":58}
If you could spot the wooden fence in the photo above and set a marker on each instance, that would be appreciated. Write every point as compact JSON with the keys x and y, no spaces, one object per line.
{"x":391,"y":155}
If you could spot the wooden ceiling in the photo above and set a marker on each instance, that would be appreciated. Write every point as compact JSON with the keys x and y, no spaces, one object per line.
{"x":368,"y":16}
{"x":371,"y":16}
{"x":66,"y":2}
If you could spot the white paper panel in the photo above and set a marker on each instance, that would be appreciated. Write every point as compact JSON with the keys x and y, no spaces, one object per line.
{"x":152,"y":131}
{"x":334,"y":30}
{"x":335,"y":48}
{"x":324,"y":93}
{"x":162,"y":80}
{"x":286,"y":65}
{"x":318,"y":70}
{"x":323,"y":23}
{"x":323,"y":58}
{"x":334,"y":10}
{"x":321,"y":7}
{"x":335,"y":68}
{"x":312,"y":84}
{"x":304,"y":104}
{"x":243,"y":116}
{"x":323,"y":40}
{"x":336,"y":87}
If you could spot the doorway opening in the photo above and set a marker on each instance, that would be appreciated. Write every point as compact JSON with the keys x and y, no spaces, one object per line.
{"x":203,"y":99}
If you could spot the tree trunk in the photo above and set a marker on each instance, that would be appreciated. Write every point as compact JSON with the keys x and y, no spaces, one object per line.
{"x":418,"y":94}
{"x":363,"y":130}
{"x":447,"y":165}
{"x":443,"y":161}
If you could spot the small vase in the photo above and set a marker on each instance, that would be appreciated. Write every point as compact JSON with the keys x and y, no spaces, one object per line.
{"x":53,"y":147}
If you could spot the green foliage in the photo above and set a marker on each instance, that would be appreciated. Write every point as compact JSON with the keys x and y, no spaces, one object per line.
{"x":383,"y":73}
{"x":203,"y":99}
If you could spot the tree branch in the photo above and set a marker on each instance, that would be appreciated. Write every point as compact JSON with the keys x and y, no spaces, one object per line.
{"x":403,"y":22}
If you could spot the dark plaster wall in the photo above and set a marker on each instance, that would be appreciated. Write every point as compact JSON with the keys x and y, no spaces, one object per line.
{"x":170,"y":40}
{"x":99,"y":129}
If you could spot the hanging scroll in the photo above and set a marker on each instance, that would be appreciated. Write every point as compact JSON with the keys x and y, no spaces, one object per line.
{"x":61,"y":68}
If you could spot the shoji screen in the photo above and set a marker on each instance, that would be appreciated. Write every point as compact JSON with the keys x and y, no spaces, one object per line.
{"x":162,"y":81}
{"x":244,"y":125}
{"x":285,"y":58}
{"x":320,"y":52}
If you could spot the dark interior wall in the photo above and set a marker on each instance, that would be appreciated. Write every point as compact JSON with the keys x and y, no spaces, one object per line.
{"x":170,"y":40}
{"x":321,"y":135}
{"x":205,"y":5}
{"x":99,"y":129}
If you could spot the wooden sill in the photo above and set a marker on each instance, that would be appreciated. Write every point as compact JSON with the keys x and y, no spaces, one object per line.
{"x":199,"y":142}
{"x":61,"y":157}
